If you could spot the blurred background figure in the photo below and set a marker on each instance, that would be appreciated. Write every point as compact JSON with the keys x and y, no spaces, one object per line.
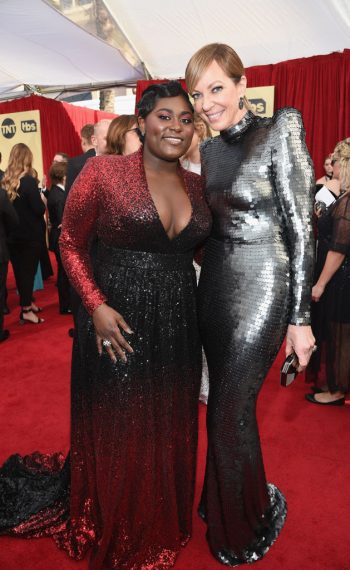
{"x":55,"y":203}
{"x":58,"y":157}
{"x":8,"y":222}
{"x":99,"y":138}
{"x":44,"y":270}
{"x":76,"y":163}
{"x":25,"y":241}
{"x":122,"y":135}
{"x":329,"y":366}
{"x":328,"y":168}
{"x":192,"y":159}
{"x":61,"y":157}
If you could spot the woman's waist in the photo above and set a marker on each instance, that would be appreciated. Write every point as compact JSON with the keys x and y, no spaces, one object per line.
{"x":108,"y":256}
{"x":237,"y":239}
{"x":248,"y":229}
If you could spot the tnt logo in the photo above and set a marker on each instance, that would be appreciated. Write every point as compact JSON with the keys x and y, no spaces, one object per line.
{"x":8,"y":128}
{"x":28,"y":126}
{"x":258,"y":106}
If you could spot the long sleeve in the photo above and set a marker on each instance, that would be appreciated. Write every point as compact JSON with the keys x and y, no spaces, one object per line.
{"x":31,"y":191}
{"x":56,"y":204}
{"x":294,"y":180}
{"x":79,"y":223}
{"x":72,"y":173}
{"x":60,"y":209}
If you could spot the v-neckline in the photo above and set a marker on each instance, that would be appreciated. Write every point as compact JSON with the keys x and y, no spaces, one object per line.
{"x":182,"y":171}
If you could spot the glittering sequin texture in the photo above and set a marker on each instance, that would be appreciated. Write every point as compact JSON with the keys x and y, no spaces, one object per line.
{"x":134,"y":424}
{"x":256,"y":278}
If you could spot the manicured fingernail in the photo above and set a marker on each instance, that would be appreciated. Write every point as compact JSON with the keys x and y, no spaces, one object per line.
{"x":129,"y":331}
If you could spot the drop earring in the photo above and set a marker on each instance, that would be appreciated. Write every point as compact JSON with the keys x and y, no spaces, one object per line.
{"x":241,"y":103}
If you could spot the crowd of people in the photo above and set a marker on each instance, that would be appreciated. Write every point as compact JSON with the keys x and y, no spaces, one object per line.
{"x":126,"y":273}
{"x":31,"y":217}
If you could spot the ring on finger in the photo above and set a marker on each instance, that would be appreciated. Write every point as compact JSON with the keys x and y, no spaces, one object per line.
{"x":106,"y":343}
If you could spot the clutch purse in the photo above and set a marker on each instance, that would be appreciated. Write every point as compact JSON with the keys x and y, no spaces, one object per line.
{"x":325,"y":196}
{"x":289,"y":370}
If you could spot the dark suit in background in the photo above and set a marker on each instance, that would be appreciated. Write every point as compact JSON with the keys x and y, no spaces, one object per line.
{"x":8,"y":222}
{"x":55,"y":204}
{"x":75,"y":165}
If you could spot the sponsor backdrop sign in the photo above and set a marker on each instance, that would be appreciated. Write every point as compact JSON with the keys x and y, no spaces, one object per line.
{"x":261,"y":100}
{"x":21,"y":128}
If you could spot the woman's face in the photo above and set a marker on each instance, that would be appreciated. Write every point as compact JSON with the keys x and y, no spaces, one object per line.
{"x":132,"y":142}
{"x":168,"y":128}
{"x":328,"y":166}
{"x":216,"y":98}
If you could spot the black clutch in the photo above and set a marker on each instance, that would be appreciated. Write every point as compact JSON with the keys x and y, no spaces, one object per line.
{"x":289,"y":370}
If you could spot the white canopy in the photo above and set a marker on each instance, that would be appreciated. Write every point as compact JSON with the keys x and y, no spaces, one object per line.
{"x":41,"y":46}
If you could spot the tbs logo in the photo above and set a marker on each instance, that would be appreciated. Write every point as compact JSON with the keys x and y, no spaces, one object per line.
{"x":258,"y":106}
{"x":29,"y":126}
{"x":8,"y":128}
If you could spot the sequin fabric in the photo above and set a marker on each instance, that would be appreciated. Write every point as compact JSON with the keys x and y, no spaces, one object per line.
{"x":134,"y":424}
{"x":256,"y":278}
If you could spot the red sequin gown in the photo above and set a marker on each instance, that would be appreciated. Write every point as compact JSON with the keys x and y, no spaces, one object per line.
{"x":134,"y":425}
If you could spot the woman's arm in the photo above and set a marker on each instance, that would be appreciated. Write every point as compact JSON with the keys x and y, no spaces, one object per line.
{"x":294,"y":180}
{"x":78,"y":226}
{"x":333,"y":261}
{"x":339,"y":246}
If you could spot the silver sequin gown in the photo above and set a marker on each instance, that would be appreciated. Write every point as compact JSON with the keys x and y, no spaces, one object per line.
{"x":256,"y":278}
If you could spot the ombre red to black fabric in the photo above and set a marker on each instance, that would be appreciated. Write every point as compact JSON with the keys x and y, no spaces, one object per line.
{"x":134,"y":425}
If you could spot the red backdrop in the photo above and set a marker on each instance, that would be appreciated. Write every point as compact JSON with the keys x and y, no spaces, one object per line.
{"x":60,"y":123}
{"x":319,"y":87}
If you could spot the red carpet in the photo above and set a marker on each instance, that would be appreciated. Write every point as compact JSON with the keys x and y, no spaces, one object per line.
{"x":306,"y":450}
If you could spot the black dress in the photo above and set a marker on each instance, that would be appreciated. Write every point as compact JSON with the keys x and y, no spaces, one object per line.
{"x":331,"y":315}
{"x":134,"y":425}
{"x":256,"y":278}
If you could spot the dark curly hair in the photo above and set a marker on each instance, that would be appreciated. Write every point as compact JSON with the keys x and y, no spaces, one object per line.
{"x":153,"y":93}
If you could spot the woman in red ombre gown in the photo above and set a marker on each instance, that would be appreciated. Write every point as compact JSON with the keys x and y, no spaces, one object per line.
{"x":134,"y":395}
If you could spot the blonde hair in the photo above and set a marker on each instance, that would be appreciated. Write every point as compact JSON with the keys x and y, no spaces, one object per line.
{"x":225,"y":57}
{"x":342,"y":155}
{"x":19,"y":164}
{"x":202,"y":128}
{"x":117,"y":131}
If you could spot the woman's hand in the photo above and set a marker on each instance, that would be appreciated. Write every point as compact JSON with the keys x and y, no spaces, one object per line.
{"x":107,"y":324}
{"x":302,"y":341}
{"x":317,"y":292}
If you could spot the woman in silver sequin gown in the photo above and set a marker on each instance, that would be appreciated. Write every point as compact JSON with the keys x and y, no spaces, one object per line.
{"x":255,"y":287}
